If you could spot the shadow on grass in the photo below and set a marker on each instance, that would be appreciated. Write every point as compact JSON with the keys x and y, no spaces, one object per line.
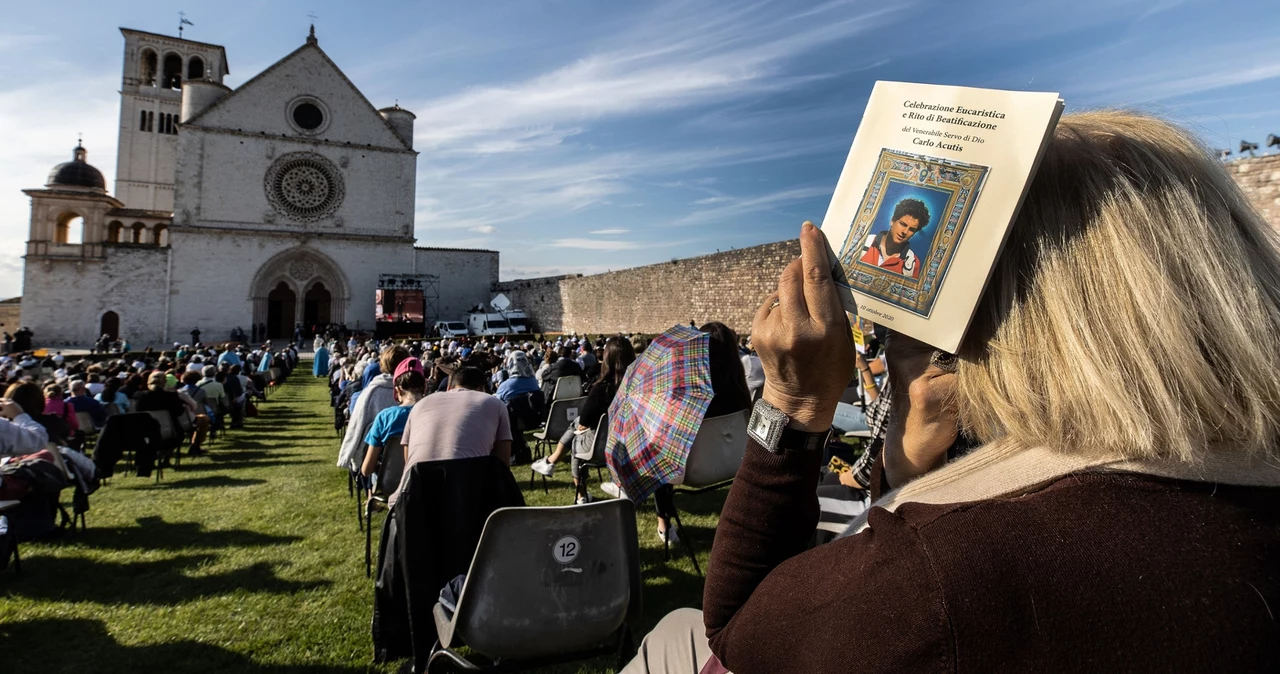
{"x":91,"y":648}
{"x":153,"y":533}
{"x":156,"y":583}
{"x":234,"y":464}
{"x":211,"y":481}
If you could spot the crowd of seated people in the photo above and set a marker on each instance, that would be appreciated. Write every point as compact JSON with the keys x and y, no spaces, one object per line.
{"x":55,"y":405}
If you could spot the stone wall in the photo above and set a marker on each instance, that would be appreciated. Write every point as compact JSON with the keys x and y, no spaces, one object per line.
{"x":540,"y":298}
{"x":10,"y":314}
{"x":726,"y":287}
{"x":64,"y":299}
{"x":467,"y":276}
{"x":1260,"y":180}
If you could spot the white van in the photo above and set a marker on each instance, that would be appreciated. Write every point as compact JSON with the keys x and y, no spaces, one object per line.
{"x":451,"y":328}
{"x":487,"y":324}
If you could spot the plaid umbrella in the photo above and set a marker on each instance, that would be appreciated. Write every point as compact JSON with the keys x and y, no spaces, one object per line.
{"x":658,"y":410}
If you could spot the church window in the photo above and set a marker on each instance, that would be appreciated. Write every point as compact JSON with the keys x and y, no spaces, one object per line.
{"x":138,"y":229}
{"x":151,"y":120}
{"x":113,"y":231}
{"x":69,"y":229}
{"x":164,"y":123}
{"x":304,"y":186}
{"x":172,"y":71}
{"x":195,"y":68}
{"x":308,"y":116}
{"x":142,"y":124}
{"x":148,"y":69}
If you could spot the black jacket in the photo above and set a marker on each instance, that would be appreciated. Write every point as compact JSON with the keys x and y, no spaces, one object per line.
{"x":565,"y":367}
{"x":137,"y":431}
{"x":429,"y":539}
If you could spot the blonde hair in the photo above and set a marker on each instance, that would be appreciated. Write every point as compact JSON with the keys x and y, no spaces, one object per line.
{"x":391,"y":357}
{"x":1135,"y":309}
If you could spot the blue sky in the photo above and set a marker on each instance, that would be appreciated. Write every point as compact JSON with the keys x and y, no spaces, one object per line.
{"x":577,"y":137}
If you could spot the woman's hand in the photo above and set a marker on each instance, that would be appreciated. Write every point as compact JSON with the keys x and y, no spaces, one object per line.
{"x":804,"y":341}
{"x":923,"y":422}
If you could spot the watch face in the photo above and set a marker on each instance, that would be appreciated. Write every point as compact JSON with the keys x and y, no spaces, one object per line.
{"x":760,"y":425}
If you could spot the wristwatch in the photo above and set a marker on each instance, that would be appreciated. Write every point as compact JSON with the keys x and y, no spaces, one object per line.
{"x":770,"y":427}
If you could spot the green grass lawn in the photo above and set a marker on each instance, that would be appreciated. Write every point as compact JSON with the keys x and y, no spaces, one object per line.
{"x":250,"y":559}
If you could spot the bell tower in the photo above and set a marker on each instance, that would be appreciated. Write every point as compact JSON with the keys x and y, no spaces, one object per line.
{"x":155,"y":66}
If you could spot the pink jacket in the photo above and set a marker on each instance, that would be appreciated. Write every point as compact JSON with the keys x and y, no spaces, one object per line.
{"x":60,"y":408}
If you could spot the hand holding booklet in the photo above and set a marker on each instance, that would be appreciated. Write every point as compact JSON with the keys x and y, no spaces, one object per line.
{"x":934,"y":180}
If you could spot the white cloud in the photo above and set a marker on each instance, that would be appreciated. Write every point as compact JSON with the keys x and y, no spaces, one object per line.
{"x":610,"y":244}
{"x":675,"y":57}
{"x":727,"y":207}
{"x":484,"y":229}
{"x":609,"y":232}
{"x":596,"y":244}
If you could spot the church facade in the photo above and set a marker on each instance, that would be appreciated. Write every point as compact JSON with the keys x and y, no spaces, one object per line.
{"x":280,"y":202}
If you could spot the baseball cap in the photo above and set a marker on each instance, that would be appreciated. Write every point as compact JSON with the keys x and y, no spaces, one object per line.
{"x":408,"y":365}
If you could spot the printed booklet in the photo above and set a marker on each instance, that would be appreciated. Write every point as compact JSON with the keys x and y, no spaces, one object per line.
{"x":935,"y":177}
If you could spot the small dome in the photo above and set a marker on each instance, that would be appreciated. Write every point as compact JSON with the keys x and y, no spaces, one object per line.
{"x":77,"y":173}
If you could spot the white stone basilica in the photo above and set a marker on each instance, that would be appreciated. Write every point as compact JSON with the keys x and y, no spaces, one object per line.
{"x":280,"y":202}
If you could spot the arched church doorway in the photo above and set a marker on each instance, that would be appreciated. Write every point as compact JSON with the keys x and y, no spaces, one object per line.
{"x":319,"y":292}
{"x":280,"y":311}
{"x":316,"y":309}
{"x":110,"y":325}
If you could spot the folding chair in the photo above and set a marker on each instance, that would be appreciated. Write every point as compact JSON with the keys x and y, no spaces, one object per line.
{"x":567,"y":387}
{"x":168,"y":434}
{"x":390,"y":470}
{"x":546,"y":586}
{"x":561,"y":414}
{"x":85,"y":420}
{"x":714,"y":458}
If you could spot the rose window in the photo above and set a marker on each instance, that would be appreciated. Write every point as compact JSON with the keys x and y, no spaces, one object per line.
{"x":304,"y":186}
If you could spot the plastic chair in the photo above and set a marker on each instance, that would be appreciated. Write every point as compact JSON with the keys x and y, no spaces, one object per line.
{"x":86,"y":422}
{"x":546,"y":586}
{"x":597,"y":460}
{"x":713,"y":460}
{"x":90,"y":430}
{"x":559,"y":417}
{"x":169,"y":433}
{"x":567,"y":387}
{"x":390,"y":470}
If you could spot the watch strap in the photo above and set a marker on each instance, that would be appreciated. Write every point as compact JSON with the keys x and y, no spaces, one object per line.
{"x":794,"y":439}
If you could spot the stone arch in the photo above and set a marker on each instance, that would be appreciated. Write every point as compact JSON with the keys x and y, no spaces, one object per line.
{"x":69,"y":228}
{"x":109,"y":325}
{"x":172,"y":77}
{"x":138,"y":233}
{"x":160,"y":235}
{"x":113,"y":231}
{"x":147,"y":68}
{"x":300,"y":268}
{"x":195,"y":68}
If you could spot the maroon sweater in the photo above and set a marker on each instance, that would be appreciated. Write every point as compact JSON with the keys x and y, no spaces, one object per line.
{"x":1094,"y":572}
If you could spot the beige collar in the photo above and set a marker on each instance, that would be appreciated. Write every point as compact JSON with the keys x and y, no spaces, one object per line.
{"x":996,"y":471}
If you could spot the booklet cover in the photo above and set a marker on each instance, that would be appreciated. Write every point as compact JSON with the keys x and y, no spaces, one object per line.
{"x":934,"y":179}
